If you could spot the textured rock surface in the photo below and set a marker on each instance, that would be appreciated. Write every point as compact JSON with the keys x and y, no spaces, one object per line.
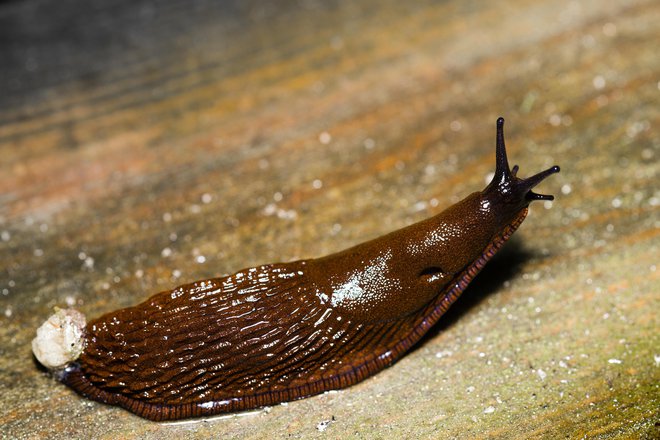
{"x":145,"y":146}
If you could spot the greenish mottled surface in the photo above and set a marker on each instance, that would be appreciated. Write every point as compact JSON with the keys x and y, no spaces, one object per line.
{"x":146,"y":146}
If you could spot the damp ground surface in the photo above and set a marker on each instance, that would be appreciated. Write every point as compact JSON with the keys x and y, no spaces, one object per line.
{"x":147,"y":145}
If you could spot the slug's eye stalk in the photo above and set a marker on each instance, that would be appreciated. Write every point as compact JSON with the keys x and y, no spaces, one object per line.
{"x":506,"y":184}
{"x":531,"y":182}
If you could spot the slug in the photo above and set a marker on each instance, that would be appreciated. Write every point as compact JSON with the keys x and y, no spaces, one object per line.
{"x":286,"y":331}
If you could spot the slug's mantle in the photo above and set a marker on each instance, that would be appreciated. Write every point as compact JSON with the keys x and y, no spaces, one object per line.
{"x":285,"y":331}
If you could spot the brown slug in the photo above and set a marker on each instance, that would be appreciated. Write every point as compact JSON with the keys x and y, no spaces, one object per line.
{"x":285,"y":331}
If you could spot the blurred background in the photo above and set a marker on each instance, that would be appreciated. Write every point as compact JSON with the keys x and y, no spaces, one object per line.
{"x":145,"y":144}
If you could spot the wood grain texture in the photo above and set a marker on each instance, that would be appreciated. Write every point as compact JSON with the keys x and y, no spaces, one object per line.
{"x":145,"y":145}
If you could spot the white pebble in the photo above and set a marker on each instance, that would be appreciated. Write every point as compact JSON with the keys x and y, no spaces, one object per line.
{"x":599,"y":82}
{"x":60,"y":339}
{"x":325,"y":138}
{"x":323,"y":425}
{"x":89,"y":263}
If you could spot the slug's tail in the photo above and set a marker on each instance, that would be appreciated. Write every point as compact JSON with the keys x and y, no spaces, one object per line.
{"x":505,"y":182}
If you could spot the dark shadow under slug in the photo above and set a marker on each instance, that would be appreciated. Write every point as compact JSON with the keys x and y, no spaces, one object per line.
{"x":281,"y":332}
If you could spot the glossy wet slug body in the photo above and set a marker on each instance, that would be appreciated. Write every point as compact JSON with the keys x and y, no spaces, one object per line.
{"x":280,"y":332}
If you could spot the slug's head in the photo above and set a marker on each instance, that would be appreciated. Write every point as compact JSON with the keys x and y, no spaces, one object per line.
{"x":446,"y":244}
{"x":506,"y":189}
{"x":402,"y":272}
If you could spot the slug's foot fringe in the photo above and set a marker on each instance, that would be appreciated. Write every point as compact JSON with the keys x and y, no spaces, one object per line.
{"x":75,"y":378}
